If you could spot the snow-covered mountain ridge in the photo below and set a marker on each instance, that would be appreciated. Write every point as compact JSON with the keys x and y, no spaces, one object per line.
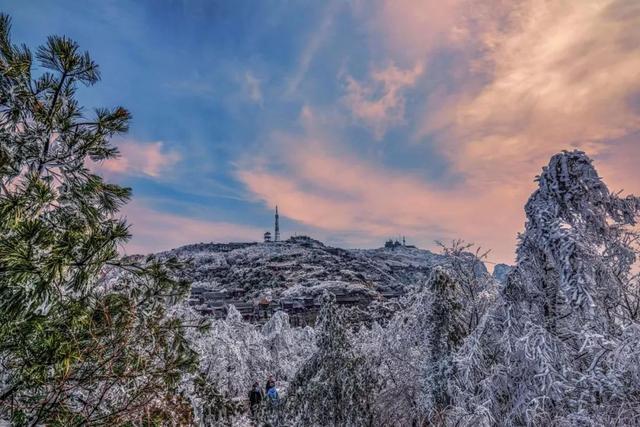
{"x":291,"y":274}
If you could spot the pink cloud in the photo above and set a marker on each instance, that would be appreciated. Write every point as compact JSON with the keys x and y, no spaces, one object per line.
{"x":342,"y":193}
{"x":154,"y":231}
{"x":140,"y":158}
{"x":560,"y":76}
{"x":618,"y":164}
{"x":379,"y":103}
{"x":411,"y":29}
{"x":533,"y":77}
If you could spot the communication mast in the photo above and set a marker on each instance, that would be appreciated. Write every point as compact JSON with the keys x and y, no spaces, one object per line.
{"x":276,"y":236}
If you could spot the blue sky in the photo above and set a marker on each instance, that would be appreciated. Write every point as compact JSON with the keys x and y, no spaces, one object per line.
{"x":362,"y":120}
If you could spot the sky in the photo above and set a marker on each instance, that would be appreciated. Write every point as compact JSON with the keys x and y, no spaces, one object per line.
{"x":362,"y":120}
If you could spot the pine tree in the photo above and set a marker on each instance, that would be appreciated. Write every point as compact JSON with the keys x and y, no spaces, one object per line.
{"x":415,"y":351}
{"x":336,"y":386}
{"x":85,"y":337}
{"x":445,"y":331}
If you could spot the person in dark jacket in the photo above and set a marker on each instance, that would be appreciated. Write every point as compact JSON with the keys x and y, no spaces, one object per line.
{"x":255,"y":398}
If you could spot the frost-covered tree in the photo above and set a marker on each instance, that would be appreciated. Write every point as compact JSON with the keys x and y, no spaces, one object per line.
{"x":335,"y":386}
{"x":475,"y":290}
{"x":288,"y":347}
{"x":75,"y":347}
{"x":629,"y":306}
{"x":550,"y":350}
{"x":235,"y":353}
{"x":211,"y":406}
{"x":397,"y":351}
{"x":575,"y":247}
{"x":414,"y":353}
{"x":446,"y":328}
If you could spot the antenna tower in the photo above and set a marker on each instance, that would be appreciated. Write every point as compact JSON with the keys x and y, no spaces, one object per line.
{"x":276,"y":237}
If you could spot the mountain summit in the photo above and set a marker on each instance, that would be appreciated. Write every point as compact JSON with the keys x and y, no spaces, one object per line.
{"x":261,"y":278}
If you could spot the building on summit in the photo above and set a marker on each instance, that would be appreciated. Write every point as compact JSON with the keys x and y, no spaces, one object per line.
{"x":392,"y":244}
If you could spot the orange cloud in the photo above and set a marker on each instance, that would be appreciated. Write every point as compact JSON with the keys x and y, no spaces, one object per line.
{"x":138,"y":158}
{"x":155,"y":231}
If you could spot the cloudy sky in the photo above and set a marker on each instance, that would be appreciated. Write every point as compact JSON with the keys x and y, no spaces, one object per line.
{"x":361,"y":119}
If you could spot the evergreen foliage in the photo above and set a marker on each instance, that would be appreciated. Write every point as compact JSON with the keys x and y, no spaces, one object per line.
{"x":336,"y":386}
{"x":445,"y":332}
{"x":79,"y":344}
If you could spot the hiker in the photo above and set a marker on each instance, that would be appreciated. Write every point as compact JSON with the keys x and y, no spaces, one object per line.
{"x":269,"y":384}
{"x":272,"y":400}
{"x":272,"y":395}
{"x":255,"y":398}
{"x":271,"y":391}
